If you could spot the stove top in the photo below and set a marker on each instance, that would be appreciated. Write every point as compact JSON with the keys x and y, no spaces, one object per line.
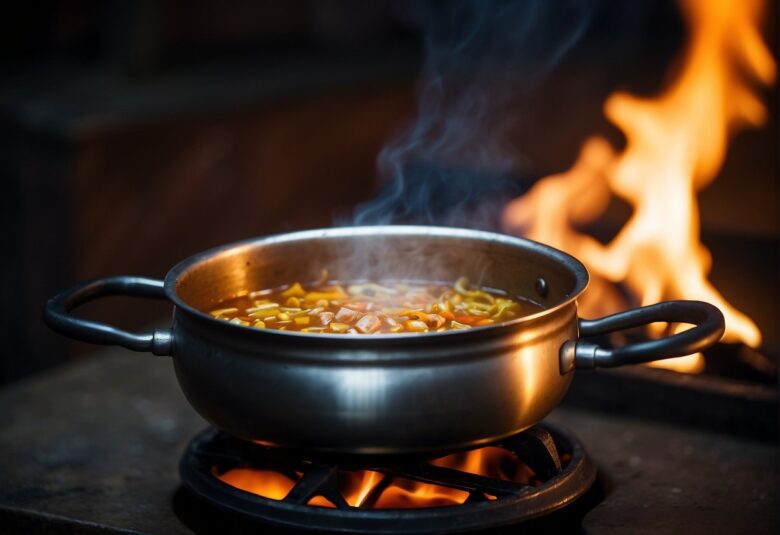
{"x":528,"y":475}
{"x":95,"y":446}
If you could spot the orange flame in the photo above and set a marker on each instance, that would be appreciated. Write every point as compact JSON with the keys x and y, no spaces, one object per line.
{"x":489,"y":461}
{"x":676,"y":144}
{"x":265,"y":483}
{"x":407,"y":494}
{"x":357,"y":487}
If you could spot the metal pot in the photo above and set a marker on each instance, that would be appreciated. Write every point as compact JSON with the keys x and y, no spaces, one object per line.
{"x":381,"y":394}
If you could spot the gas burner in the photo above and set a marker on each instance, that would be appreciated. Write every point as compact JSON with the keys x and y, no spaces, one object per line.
{"x":531,"y":474}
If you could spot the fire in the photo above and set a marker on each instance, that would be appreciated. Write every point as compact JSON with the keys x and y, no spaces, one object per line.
{"x":489,"y":461}
{"x":407,"y":494}
{"x":265,"y":483}
{"x":676,"y":143}
{"x":356,"y":486}
{"x":376,"y":489}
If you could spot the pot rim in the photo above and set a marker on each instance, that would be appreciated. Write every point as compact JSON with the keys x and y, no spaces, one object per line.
{"x":579,"y":271}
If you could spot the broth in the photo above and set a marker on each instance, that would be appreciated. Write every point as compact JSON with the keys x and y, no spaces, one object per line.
{"x":361,"y":307}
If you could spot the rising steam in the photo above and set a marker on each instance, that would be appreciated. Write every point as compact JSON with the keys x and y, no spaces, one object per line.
{"x":454,"y":163}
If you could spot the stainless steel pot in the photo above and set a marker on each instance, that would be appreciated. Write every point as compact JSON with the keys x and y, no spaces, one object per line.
{"x":381,"y":394}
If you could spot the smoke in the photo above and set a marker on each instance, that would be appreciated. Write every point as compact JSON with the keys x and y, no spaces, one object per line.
{"x":455,"y":163}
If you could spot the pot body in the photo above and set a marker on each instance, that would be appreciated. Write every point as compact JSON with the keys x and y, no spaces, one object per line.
{"x":386,"y":394}
{"x":375,"y":401}
{"x":394,"y":394}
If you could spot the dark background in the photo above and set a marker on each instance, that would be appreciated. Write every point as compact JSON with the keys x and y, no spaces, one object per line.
{"x":133,"y":134}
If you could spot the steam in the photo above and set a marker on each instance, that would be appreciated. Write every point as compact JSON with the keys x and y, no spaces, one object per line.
{"x":455,"y":164}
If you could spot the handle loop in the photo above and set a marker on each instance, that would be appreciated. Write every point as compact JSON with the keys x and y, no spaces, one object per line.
{"x":709,"y":327}
{"x":57,"y":314}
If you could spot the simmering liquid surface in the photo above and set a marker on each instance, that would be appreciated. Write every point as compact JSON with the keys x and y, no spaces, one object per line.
{"x":362,"y":307}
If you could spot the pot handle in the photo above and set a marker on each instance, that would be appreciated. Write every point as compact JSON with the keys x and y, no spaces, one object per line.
{"x":709,"y":327}
{"x":57,"y":314}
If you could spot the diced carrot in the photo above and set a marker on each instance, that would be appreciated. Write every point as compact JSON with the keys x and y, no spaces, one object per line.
{"x":468,"y":320}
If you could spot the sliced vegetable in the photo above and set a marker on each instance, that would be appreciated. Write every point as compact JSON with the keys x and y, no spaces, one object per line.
{"x":347,"y":315}
{"x":264,"y":313}
{"x":296,"y":290}
{"x":223,"y":311}
{"x":417,"y":326}
{"x":368,"y":324}
{"x":261,"y":306}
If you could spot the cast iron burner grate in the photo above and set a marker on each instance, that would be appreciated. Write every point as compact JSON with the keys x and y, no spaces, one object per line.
{"x":562,"y":473}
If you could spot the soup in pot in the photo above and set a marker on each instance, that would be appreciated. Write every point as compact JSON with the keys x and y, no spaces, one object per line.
{"x":369,"y":307}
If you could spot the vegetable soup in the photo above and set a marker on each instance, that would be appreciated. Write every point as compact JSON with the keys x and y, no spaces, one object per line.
{"x":371,"y":307}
